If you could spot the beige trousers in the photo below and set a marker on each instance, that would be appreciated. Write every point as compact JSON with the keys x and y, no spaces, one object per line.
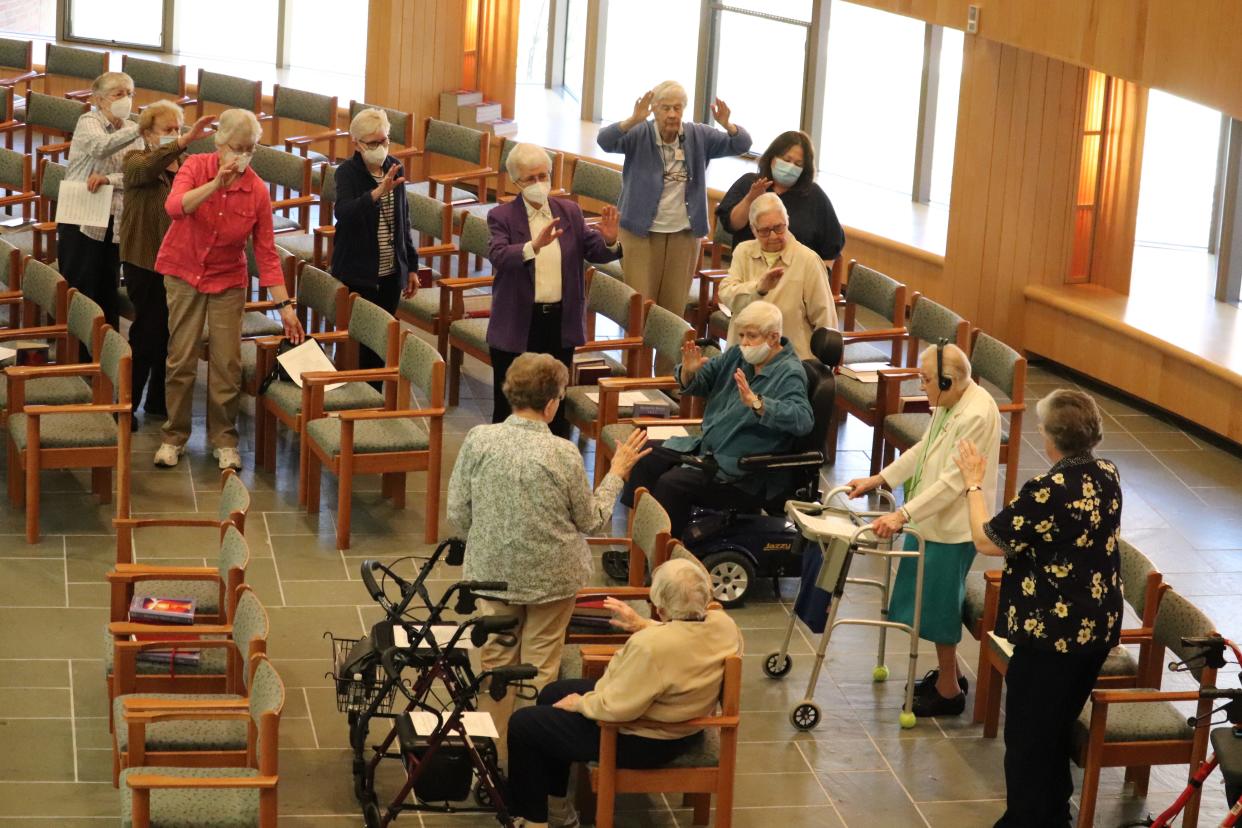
{"x":540,"y":633}
{"x":660,"y":266}
{"x":188,"y":309}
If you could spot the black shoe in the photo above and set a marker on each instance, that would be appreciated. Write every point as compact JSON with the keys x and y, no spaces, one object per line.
{"x":934,"y":704}
{"x":927,"y":683}
{"x":156,"y":411}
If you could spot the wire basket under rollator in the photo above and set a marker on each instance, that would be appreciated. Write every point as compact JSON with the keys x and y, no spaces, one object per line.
{"x":357,"y":689}
{"x":842,"y":533}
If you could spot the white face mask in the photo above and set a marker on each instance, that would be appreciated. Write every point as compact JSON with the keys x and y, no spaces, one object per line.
{"x":121,"y":108}
{"x":374,"y":157}
{"x":537,"y":193}
{"x":243,"y":160}
{"x":785,"y":173}
{"x":165,"y":140}
{"x":755,"y":354}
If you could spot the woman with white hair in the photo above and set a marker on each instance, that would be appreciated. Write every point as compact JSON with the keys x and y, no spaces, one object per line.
{"x":777,"y":267}
{"x":537,"y":248}
{"x":372,"y":251}
{"x":88,"y":256}
{"x":148,"y":176}
{"x":217,"y":204}
{"x":663,"y":192}
{"x":935,"y":506}
{"x":669,"y":671}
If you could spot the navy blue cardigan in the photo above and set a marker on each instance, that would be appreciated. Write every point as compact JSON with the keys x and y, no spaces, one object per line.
{"x":355,"y":251}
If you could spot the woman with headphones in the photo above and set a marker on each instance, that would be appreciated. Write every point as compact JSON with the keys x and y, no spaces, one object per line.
{"x":935,"y":505}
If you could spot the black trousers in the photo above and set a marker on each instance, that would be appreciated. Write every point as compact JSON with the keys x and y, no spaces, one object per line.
{"x":544,"y":338}
{"x":544,"y":742}
{"x":386,"y":293}
{"x":93,"y":267}
{"x":148,"y":336}
{"x":1045,"y":693}
{"x":678,"y":488}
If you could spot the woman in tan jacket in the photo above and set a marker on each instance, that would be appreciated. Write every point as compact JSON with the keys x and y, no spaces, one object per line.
{"x":670,"y":670}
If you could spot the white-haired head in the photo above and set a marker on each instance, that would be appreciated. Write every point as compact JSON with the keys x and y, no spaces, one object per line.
{"x":368,"y":122}
{"x":525,"y":159}
{"x":238,"y":127}
{"x":760,"y":316}
{"x":954,"y":364}
{"x":681,"y":590}
{"x":669,"y":91}
{"x":163,"y":110}
{"x":109,"y":82}
{"x":767,"y":203}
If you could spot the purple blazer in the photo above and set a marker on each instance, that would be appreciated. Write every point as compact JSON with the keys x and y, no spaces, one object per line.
{"x":513,"y":292}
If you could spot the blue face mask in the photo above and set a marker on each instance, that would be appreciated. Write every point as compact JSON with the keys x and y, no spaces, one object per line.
{"x":785,"y":173}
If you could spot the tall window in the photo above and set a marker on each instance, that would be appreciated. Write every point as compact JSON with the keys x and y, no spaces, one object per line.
{"x":875,"y":67}
{"x":141,"y":24}
{"x":645,"y":42}
{"x":951,"y":47}
{"x":575,"y":46}
{"x":251,"y":30}
{"x":532,"y":59}
{"x":340,"y":48}
{"x":34,"y":17}
{"x":760,"y":65}
{"x":1178,"y":180}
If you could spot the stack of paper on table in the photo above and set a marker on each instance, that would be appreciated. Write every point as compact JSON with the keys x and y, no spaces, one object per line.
{"x":864,"y":371}
{"x":666,"y":432}
{"x":628,"y":398}
{"x":305,"y":359}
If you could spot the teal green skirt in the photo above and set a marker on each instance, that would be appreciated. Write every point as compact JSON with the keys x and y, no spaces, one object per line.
{"x":944,"y":589}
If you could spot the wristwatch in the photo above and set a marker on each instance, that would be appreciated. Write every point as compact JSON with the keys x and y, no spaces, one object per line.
{"x":970,"y":489}
{"x":757,"y":405}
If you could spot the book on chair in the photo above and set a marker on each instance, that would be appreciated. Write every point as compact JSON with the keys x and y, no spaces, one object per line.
{"x":152,"y":609}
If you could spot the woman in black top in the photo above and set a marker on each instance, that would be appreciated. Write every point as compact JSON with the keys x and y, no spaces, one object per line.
{"x":372,"y":252}
{"x":1060,"y":599}
{"x":786,"y":168}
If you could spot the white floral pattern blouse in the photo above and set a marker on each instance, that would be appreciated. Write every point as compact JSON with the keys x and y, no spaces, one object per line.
{"x":1061,"y":588}
{"x":521,"y":496}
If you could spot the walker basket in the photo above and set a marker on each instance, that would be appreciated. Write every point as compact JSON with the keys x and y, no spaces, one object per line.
{"x":359,"y":677}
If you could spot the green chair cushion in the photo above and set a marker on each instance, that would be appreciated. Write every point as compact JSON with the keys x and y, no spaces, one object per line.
{"x":472,"y":332}
{"x":424,"y":305}
{"x":301,"y":245}
{"x":613,"y":269}
{"x":218,"y":808}
{"x":66,"y":430}
{"x":908,"y":429}
{"x":718,"y":325}
{"x":206,"y":594}
{"x":1138,"y":722}
{"x":702,"y":752}
{"x":422,"y":188}
{"x":284,"y":223}
{"x":165,"y":736}
{"x":288,"y":397}
{"x":616,"y":432}
{"x":50,"y":391}
{"x":863,"y":352}
{"x":1120,"y":662}
{"x":212,"y":663}
{"x":972,"y":607}
{"x":371,"y":436}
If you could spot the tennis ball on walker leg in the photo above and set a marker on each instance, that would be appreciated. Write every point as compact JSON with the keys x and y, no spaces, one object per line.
{"x":879,"y":674}
{"x":906,"y":720}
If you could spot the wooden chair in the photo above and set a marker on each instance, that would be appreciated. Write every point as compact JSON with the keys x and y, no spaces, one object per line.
{"x":594,"y":181}
{"x":11,"y":281}
{"x":699,"y":774}
{"x":17,"y":68}
{"x":227,"y":92}
{"x":15,"y":180}
{"x":175,"y":745}
{"x":443,"y":299}
{"x":289,"y":178}
{"x":308,"y":108}
{"x":159,"y":796}
{"x":50,"y":116}
{"x":401,"y":129}
{"x":94,"y":435}
{"x":391,"y":442}
{"x":72,"y":64}
{"x":453,"y":143}
{"x":38,"y":240}
{"x":155,"y":80}
{"x":1136,"y":728}
{"x":231,"y":510}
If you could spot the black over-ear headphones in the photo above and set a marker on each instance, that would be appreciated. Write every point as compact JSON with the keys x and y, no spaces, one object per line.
{"x":942,"y":381}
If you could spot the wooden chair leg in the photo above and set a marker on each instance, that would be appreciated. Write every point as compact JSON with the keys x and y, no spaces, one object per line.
{"x":398,"y":490}
{"x":702,"y":804}
{"x":272,"y":434}
{"x":344,"y":499}
{"x":877,"y":447}
{"x":313,"y":475}
{"x":15,"y":477}
{"x":101,"y":482}
{"x":834,"y":428}
{"x":584,"y":798}
{"x":303,"y":460}
{"x":991,"y":717}
{"x":1140,"y":775}
{"x":983,"y":682}
{"x":454,"y":375}
{"x":32,"y":497}
{"x":1090,"y":789}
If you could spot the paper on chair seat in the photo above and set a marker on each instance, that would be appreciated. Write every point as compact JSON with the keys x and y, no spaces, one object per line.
{"x":628,"y":398}
{"x":307,"y":358}
{"x":442,"y":634}
{"x":477,"y":724}
{"x":7,"y":353}
{"x":78,"y":205}
{"x":665,"y":432}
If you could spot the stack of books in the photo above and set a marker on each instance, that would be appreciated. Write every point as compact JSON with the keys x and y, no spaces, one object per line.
{"x":593,"y":615}
{"x":150,"y":609}
{"x":863,"y":371}
{"x":467,"y":107}
{"x":590,"y":370}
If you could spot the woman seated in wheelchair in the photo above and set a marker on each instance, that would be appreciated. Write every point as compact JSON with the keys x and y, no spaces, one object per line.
{"x":670,"y":670}
{"x":757,"y":403}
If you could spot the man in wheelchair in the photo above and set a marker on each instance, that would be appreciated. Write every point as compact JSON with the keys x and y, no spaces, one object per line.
{"x":757,"y":404}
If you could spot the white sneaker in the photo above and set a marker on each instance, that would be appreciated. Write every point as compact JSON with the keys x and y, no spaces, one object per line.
{"x":168,"y":455}
{"x":228,"y":456}
{"x":561,"y":812}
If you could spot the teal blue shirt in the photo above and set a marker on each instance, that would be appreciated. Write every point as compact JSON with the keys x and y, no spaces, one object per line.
{"x":731,"y":429}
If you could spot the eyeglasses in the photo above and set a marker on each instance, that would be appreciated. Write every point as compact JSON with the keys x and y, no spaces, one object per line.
{"x":531,"y":179}
{"x":778,"y":229}
{"x":370,"y":145}
{"x":248,"y":148}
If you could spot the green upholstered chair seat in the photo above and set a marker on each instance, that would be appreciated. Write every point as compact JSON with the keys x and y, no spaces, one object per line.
{"x":718,"y":324}
{"x":581,"y":409}
{"x":1120,"y":662}
{"x":125,"y":305}
{"x":206,"y":594}
{"x":371,"y":436}
{"x":301,"y":245}
{"x":217,"y":808}
{"x":571,"y":662}
{"x":284,"y":224}
{"x":66,"y":430}
{"x":639,"y":606}
{"x":50,"y":391}
{"x":865,"y":352}
{"x":22,"y":239}
{"x":863,"y":394}
{"x":472,"y":332}
{"x":425,"y":304}
{"x":288,"y":397}
{"x":255,"y":324}
{"x":165,"y":736}
{"x":972,"y":607}
{"x":701,"y":752}
{"x":1139,"y":722}
{"x":249,"y":362}
{"x":212,"y":662}
{"x":612,"y":268}
{"x":422,"y":188}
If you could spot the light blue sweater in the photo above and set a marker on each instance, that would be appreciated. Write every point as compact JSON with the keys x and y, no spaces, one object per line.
{"x":642,"y":176}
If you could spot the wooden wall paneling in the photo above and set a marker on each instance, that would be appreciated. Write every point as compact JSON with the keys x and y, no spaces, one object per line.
{"x":1021,"y":265}
{"x":996,"y":289}
{"x":1042,"y":254}
{"x":414,"y":53}
{"x":994,"y":189}
{"x":497,"y":56}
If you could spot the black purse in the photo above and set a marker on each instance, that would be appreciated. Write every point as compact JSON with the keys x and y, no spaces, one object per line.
{"x":278,"y":373}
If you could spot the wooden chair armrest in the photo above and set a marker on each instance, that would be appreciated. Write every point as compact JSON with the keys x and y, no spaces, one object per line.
{"x":1137,"y":635}
{"x":163,"y":573}
{"x":81,"y":369}
{"x":875,"y":334}
{"x":637,"y":383}
{"x":386,"y":414}
{"x":437,"y":250}
{"x":82,"y":408}
{"x":52,"y":149}
{"x":160,"y":644}
{"x":599,"y":650}
{"x":13,"y":80}
{"x":323,"y":230}
{"x":359,"y":375}
{"x":649,"y":422}
{"x":299,"y":201}
{"x":151,"y":782}
{"x":454,"y":177}
{"x":625,"y":343}
{"x":144,"y":523}
{"x":128,"y":628}
{"x":1141,"y":696}
{"x":713,"y":275}
{"x":304,"y":140}
{"x":619,"y":592}
{"x":42,"y":332}
{"x":459,"y":283}
{"x":887,"y":375}
{"x":602,"y":541}
{"x":142,"y":703}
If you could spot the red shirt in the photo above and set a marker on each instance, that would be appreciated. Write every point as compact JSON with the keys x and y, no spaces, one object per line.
{"x":207,"y":248}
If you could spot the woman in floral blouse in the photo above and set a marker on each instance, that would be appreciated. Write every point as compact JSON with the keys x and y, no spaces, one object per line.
{"x":1060,"y":599}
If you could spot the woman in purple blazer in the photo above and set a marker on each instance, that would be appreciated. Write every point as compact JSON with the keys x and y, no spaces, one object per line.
{"x":537,"y":250}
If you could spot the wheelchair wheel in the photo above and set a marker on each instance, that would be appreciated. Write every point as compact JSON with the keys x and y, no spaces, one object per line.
{"x":371,"y":815}
{"x":732,"y":574}
{"x":806,"y":716}
{"x":777,"y":665}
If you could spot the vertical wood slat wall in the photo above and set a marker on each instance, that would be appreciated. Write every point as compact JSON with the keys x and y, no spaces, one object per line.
{"x":1014,"y":183}
{"x":414,"y":52}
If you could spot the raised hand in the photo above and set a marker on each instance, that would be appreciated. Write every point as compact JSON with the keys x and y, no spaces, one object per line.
{"x":760,"y":186}
{"x":721,"y":112}
{"x":392,"y":180}
{"x":550,"y":233}
{"x":227,"y":173}
{"x":609,"y":223}
{"x":642,"y":106}
{"x":743,"y":388}
{"x":971,"y":463}
{"x":197,"y":130}
{"x":692,"y":359}
{"x":623,"y":615}
{"x":629,"y":453}
{"x":770,"y":279}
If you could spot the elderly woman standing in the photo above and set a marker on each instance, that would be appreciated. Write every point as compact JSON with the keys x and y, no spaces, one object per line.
{"x":777,"y":267}
{"x":787,"y":170}
{"x":537,"y":249}
{"x":663,"y":192}
{"x":521,"y":496}
{"x":372,"y":251}
{"x":217,"y":203}
{"x":962,"y":410}
{"x":1060,"y":598}
{"x":88,"y":256}
{"x":148,"y":176}
{"x":670,"y":670}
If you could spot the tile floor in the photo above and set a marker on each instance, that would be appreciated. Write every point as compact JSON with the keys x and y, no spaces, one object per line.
{"x":1183,"y":497}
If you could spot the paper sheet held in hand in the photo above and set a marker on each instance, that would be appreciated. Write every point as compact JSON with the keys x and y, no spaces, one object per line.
{"x":77,"y":205}
{"x":306,"y":358}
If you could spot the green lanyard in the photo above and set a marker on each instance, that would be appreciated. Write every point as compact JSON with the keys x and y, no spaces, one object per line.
{"x":938,"y":423}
